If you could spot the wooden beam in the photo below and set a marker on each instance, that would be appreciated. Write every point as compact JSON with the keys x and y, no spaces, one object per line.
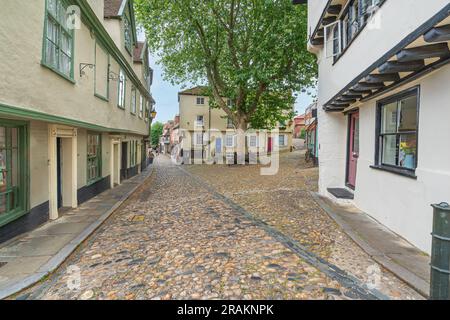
{"x":359,"y":92}
{"x":395,"y":66}
{"x":386,"y":77}
{"x":317,"y":41}
{"x":438,"y":50}
{"x":438,"y":34}
{"x":352,"y":96}
{"x":335,"y":9}
{"x":320,"y":32}
{"x":328,"y":20}
{"x":362,"y":86}
{"x":346,"y":100}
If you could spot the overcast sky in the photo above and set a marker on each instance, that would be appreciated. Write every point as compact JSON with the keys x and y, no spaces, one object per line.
{"x":166,"y":96}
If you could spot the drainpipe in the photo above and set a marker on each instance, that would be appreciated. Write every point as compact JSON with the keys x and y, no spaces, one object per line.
{"x":440,"y":253}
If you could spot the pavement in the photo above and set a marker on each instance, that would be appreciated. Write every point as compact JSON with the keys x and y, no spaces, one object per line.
{"x":221,"y":232}
{"x":387,"y":248}
{"x":34,"y":255}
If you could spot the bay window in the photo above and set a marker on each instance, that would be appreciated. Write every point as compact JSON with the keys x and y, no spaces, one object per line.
{"x":94,"y":157}
{"x":397,"y":131}
{"x":13,"y":171}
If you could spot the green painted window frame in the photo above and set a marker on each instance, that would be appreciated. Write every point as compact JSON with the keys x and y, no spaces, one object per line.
{"x":121,"y":80}
{"x":107,"y":72}
{"x":22,"y":202}
{"x":128,"y":34}
{"x":133,"y":100}
{"x":141,"y":105}
{"x":61,"y":28}
{"x":98,"y":157}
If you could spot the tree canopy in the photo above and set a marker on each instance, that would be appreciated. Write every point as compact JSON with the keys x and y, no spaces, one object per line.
{"x":253,"y":52}
{"x":156,"y":133}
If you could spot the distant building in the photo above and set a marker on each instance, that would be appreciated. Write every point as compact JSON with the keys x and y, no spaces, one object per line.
{"x":299,"y":126}
{"x":199,"y":124}
{"x":311,"y":136}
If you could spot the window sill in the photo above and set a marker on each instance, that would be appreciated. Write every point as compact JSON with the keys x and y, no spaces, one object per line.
{"x":101,"y":97}
{"x":90,"y":183}
{"x":59,"y":73}
{"x":402,"y":172}
{"x":121,"y":108}
{"x":12,"y":216}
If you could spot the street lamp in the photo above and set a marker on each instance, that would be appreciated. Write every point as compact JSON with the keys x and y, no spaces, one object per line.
{"x":153,"y":114}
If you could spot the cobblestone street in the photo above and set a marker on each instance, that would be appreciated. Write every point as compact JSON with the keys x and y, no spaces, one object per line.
{"x":220,"y":232}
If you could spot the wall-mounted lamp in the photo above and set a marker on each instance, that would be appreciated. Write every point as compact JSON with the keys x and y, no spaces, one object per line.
{"x":153,"y":114}
{"x":84,"y":66}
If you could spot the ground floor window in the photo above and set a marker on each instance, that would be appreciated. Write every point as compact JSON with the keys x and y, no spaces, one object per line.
{"x":397,"y":131}
{"x":282,"y":140}
{"x":13,"y":171}
{"x":94,"y":157}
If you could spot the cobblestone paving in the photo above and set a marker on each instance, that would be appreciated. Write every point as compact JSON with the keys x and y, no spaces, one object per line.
{"x":174,"y":240}
{"x":284,"y":203}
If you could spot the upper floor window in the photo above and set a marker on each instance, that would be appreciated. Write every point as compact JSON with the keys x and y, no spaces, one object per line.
{"x":121,"y":89}
{"x":230,"y":123}
{"x":397,"y":131}
{"x":133,"y":100}
{"x":58,"y":39}
{"x":141,"y":106}
{"x":200,"y":100}
{"x":339,"y":34}
{"x":128,"y":34}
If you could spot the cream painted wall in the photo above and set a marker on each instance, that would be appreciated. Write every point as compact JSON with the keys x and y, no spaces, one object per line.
{"x":400,"y":203}
{"x":98,"y":7}
{"x":189,"y":110}
{"x":38,"y":163}
{"x":25,"y":83}
{"x":371,"y":44}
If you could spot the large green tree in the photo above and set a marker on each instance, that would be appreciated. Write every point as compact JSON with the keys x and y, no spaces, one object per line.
{"x":251,"y":51}
{"x":156,"y":133}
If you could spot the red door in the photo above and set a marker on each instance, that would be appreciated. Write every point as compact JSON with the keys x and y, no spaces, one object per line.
{"x":353,"y":149}
{"x":269,"y":145}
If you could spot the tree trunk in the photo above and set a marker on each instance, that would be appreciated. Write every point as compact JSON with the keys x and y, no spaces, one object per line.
{"x":241,"y":129}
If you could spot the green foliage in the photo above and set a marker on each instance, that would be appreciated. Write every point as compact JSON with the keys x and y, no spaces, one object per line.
{"x":252,"y":52}
{"x":156,"y":133}
{"x":303,"y":134}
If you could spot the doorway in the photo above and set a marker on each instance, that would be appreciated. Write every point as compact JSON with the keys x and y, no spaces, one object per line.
{"x":353,"y":149}
{"x":269,"y":145}
{"x":115,"y":164}
{"x":124,"y":161}
{"x":218,"y":145}
{"x":59,"y":168}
